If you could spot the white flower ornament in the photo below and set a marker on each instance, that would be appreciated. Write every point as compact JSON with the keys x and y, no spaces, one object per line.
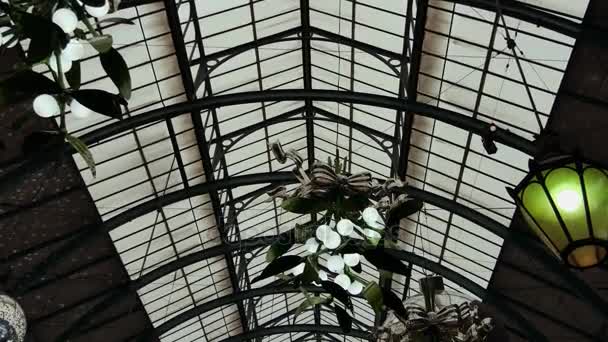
{"x":343,"y":280}
{"x":372,"y":218}
{"x":332,"y":241}
{"x":352,"y":259}
{"x":335,"y":264}
{"x":345,"y":227}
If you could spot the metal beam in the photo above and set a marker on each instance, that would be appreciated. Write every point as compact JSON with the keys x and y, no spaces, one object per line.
{"x":491,"y":297}
{"x":515,"y":9}
{"x":525,"y":12}
{"x":449,"y":117}
{"x":307,"y":74}
{"x":408,"y":91}
{"x":199,"y":130}
{"x":326,"y":329}
{"x":582,"y":290}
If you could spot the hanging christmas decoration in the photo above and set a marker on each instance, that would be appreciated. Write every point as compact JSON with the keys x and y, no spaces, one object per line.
{"x":56,"y":34}
{"x":12,"y":320}
{"x":356,"y":217}
{"x":437,"y":315}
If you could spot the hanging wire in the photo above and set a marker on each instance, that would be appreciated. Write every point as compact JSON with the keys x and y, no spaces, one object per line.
{"x":513,"y":47}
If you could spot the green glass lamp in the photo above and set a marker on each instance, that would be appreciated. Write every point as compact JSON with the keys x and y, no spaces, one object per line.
{"x":564,"y":200}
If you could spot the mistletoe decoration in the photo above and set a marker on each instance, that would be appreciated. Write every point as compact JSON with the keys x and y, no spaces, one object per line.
{"x":54,"y":33}
{"x":356,"y":217}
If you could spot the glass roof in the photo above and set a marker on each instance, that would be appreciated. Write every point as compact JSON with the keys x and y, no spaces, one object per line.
{"x":468,"y":63}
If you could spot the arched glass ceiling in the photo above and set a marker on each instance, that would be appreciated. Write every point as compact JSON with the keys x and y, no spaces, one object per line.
{"x":463,"y":64}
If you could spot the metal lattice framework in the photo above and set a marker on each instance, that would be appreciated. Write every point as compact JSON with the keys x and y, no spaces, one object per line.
{"x":183,"y":177}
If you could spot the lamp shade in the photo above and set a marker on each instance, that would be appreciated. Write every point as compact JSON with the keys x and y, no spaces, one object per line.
{"x":564,"y":200}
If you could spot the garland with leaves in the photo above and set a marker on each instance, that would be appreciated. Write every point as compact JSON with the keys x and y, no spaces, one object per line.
{"x":357,"y":219}
{"x":54,"y":33}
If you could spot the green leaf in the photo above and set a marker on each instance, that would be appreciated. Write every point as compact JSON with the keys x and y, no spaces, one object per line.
{"x":116,"y":67}
{"x":117,"y":21}
{"x":94,"y":3}
{"x":280,"y":246}
{"x":80,"y":34}
{"x":402,"y":209}
{"x":309,"y":302}
{"x":373,"y":294}
{"x":24,"y":84}
{"x":73,"y":76}
{"x":354,"y":203}
{"x":101,"y":43}
{"x":344,"y":319}
{"x":352,"y":246}
{"x":300,"y":205}
{"x":393,"y":302}
{"x":84,"y":152}
{"x":279,"y":265}
{"x":100,"y":101}
{"x":338,"y":292}
{"x":45,"y":35}
{"x":310,"y":274}
{"x":382,"y":260}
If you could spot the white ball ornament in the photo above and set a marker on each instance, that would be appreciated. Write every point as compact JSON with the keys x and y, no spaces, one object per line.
{"x":98,"y":12}
{"x":352,"y":259}
{"x":343,"y":280}
{"x":332,"y":241}
{"x":345,"y":227}
{"x":79,"y":110}
{"x":322,"y":232}
{"x":46,"y":106}
{"x":311,"y":245}
{"x":66,"y":19}
{"x":74,"y":50}
{"x":66,"y":64}
{"x":335,"y":264}
{"x":355,"y":288}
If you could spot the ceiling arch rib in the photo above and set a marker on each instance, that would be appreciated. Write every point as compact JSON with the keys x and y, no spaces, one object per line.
{"x":219,"y":112}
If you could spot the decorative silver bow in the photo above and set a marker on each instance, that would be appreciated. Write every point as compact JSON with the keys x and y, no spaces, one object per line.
{"x":324,"y":179}
{"x":447,"y":318}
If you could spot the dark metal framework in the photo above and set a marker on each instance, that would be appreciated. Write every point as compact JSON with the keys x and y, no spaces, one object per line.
{"x":208,"y":235}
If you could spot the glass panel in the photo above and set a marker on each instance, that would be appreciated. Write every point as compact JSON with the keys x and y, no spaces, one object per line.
{"x":565,"y":188}
{"x":539,"y":232}
{"x":537,"y":203}
{"x":596,"y":184}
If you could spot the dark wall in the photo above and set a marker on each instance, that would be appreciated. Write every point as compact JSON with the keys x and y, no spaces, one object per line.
{"x":580,"y":117}
{"x":43,"y":211}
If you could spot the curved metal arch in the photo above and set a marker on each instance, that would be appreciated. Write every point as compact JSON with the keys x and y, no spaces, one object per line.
{"x":520,"y":10}
{"x":326,"y":329}
{"x":221,"y":57}
{"x":369,"y":132}
{"x":515,"y":9}
{"x":449,"y":117}
{"x":491,"y":297}
{"x":582,"y":290}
